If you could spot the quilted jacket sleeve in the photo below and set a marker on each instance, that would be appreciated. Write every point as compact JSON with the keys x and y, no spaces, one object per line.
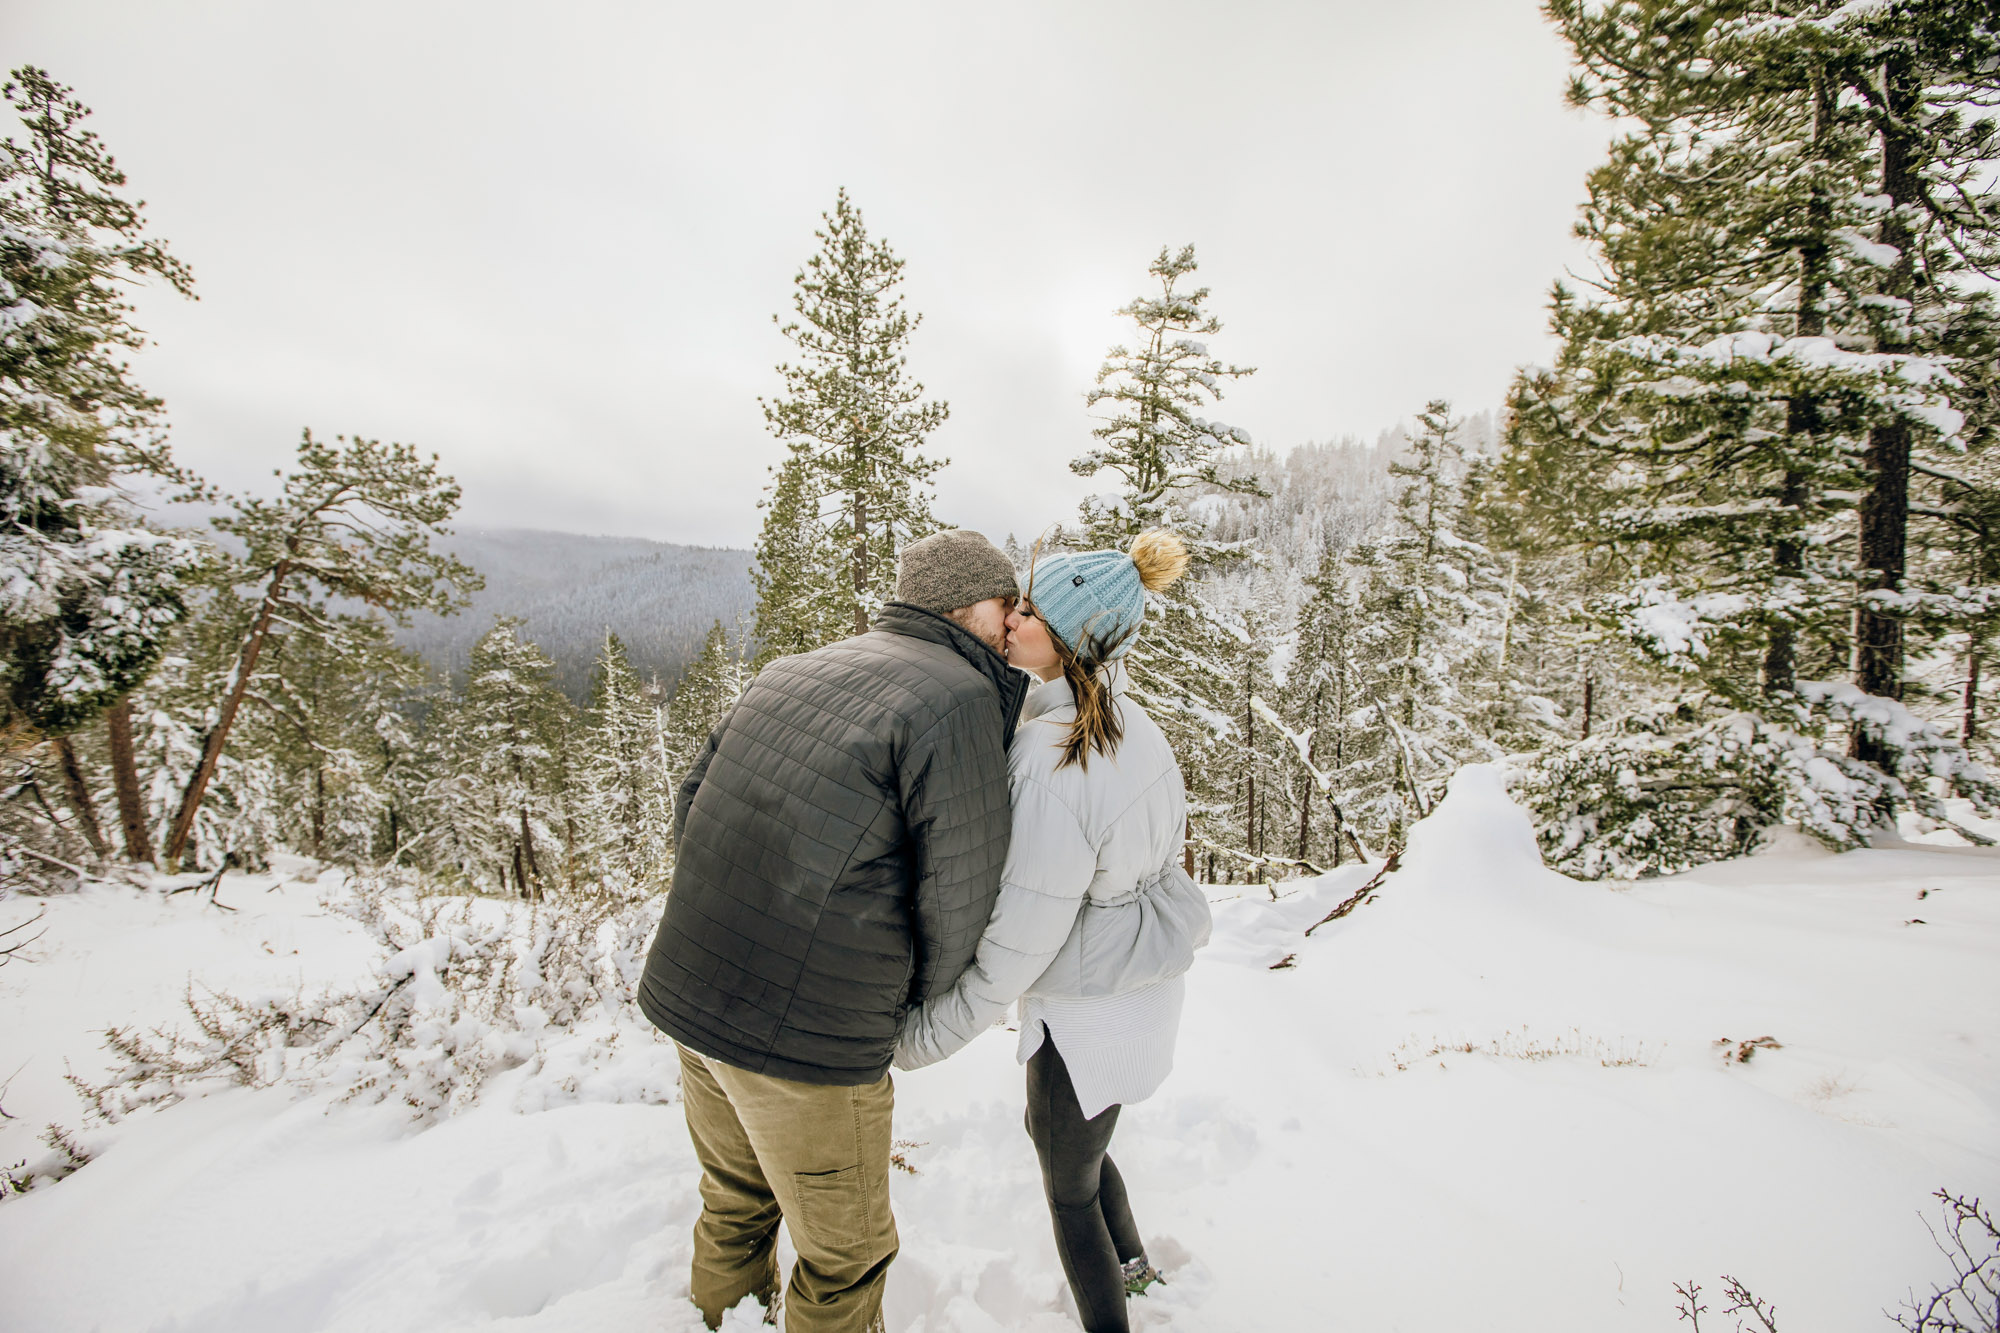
{"x":1050,"y":864}
{"x":684,"y":798}
{"x":954,"y":796}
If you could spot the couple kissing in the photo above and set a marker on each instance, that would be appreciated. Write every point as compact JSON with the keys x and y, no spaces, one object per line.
{"x":887,"y":843}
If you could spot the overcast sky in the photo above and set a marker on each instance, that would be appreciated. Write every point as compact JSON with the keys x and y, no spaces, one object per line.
{"x":546,"y":240}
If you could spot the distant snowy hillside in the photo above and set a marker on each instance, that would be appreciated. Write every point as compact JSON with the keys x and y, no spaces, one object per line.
{"x":658,"y":597}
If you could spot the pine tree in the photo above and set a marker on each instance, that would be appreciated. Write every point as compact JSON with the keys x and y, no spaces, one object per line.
{"x":401,"y":773}
{"x":510,"y":731}
{"x":854,"y":487}
{"x":626,"y":791}
{"x":1322,"y":711}
{"x":1969,"y":557}
{"x":354,"y":519}
{"x":240,"y":820}
{"x":1584,"y":673}
{"x":1917,"y":70}
{"x":708,"y":689}
{"x":87,"y":593}
{"x":1184,"y":668}
{"x":1755,"y":362}
{"x":448,"y":823}
{"x":1258,"y":802}
{"x":798,"y":606}
{"x":1153,"y":438}
{"x":1430,"y":597}
{"x":1533,"y":658}
{"x":1732,"y":454}
{"x":329,"y":716}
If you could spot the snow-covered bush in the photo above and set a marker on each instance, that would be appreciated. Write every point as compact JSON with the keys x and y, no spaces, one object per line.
{"x":1658,"y":795}
{"x":467,"y":988}
{"x":64,"y":1158}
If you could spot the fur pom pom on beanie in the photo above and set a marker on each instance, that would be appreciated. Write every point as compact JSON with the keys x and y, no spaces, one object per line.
{"x":1094,"y":601}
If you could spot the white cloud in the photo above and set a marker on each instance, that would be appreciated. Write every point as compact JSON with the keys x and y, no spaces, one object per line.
{"x":547,"y":241}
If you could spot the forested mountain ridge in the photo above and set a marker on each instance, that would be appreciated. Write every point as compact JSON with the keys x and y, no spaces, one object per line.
{"x":659,"y":598}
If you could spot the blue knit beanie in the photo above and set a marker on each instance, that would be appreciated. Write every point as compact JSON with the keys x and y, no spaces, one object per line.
{"x":1095,"y":600}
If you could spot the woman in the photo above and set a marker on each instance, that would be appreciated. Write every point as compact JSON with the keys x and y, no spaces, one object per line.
{"x":1096,"y":921}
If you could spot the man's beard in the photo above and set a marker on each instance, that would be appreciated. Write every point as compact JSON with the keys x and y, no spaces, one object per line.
{"x":997,"y":640}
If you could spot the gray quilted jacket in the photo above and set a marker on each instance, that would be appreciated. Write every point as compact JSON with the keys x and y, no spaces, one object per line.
{"x":1093,"y":901}
{"x":838,"y":849}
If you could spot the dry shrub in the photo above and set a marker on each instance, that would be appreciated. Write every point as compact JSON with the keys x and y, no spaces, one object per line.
{"x":467,"y":988}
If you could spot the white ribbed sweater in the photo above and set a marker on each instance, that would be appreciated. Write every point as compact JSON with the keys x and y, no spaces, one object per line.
{"x":1119,"y":1048}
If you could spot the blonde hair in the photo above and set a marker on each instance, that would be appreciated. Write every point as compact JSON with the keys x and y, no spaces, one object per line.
{"x":1097,"y":725}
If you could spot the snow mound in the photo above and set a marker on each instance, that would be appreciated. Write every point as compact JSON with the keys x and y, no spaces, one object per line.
{"x":1476,"y":850}
{"x":1475,"y":842}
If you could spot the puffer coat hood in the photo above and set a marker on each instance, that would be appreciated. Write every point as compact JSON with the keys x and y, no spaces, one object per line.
{"x":839,"y":842}
{"x":1093,"y":900}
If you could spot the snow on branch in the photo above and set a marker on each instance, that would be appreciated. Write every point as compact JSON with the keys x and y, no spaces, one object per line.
{"x":468,"y":988}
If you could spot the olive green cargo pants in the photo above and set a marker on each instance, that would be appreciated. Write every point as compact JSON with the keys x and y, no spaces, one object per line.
{"x":814,"y":1155}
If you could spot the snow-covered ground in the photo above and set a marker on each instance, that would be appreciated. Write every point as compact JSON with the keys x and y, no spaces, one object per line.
{"x":1491,"y":1098}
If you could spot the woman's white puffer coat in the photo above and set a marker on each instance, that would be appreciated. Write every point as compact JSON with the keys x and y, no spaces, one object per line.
{"x":1093,"y":900}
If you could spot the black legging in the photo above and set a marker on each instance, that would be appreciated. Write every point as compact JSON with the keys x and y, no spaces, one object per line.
{"x":1093,"y":1220}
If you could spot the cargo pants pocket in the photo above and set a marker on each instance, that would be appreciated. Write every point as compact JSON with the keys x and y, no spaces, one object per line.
{"x":834,"y":1209}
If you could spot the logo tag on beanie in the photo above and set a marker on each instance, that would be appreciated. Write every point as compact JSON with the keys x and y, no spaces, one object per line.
{"x":1076,"y":582}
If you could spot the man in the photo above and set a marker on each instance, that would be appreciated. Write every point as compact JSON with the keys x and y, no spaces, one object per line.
{"x":839,"y":845}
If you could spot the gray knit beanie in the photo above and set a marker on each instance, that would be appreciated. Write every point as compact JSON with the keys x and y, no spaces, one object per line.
{"x":953,"y":568}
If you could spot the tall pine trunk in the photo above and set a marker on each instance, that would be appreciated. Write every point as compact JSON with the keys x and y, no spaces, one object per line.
{"x":534,"y":866}
{"x":225,"y":718}
{"x":1306,"y":779}
{"x":1801,"y":410}
{"x":79,"y":799}
{"x":125,"y":781}
{"x":1968,"y":729}
{"x":319,"y":811}
{"x":1249,"y":759}
{"x":1885,"y":510}
{"x":859,"y":556}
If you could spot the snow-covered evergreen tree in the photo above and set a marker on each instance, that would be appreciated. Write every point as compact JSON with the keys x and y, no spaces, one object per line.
{"x":625,"y":795}
{"x":353,"y":519}
{"x":854,"y":487}
{"x":87,"y":592}
{"x":1753,"y":365}
{"x":328,"y":712}
{"x":1323,"y":715}
{"x":708,"y":689}
{"x":798,"y":606}
{"x":1432,"y":604}
{"x":1152,"y":436}
{"x":444,"y":810}
{"x":511,"y":730}
{"x":241,"y":820}
{"x":1258,"y":810}
{"x":1527,"y":693}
